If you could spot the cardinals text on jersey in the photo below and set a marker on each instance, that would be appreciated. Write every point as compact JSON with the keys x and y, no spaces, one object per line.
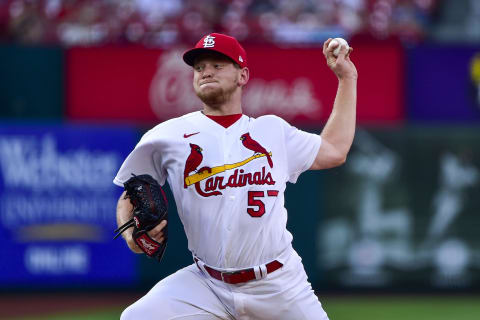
{"x":239,"y":178}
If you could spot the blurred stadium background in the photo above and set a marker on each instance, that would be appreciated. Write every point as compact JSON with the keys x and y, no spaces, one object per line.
{"x":392,"y":234}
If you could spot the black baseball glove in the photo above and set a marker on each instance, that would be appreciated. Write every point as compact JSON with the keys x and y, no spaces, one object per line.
{"x":149,"y":209}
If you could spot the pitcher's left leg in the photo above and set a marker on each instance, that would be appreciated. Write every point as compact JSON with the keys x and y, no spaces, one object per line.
{"x":284,"y":294}
{"x":305,"y":306}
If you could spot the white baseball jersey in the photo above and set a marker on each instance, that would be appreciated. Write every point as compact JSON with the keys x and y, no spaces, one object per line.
{"x":228,"y":183}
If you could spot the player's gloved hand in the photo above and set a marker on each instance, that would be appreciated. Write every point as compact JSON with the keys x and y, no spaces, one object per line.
{"x":149,"y":219}
{"x":342,"y":66}
{"x":156,"y":234}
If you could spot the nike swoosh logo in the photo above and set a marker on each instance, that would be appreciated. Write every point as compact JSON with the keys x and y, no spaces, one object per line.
{"x":189,"y":135}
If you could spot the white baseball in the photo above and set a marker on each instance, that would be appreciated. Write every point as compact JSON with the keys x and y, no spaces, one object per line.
{"x":340,"y":42}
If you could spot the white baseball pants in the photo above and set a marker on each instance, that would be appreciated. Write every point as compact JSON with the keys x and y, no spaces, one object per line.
{"x":190,"y":293}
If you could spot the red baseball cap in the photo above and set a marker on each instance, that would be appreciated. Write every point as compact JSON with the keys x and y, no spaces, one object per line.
{"x":226,"y":45}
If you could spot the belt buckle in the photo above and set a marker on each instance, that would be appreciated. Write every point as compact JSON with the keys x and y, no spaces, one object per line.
{"x":229,"y":273}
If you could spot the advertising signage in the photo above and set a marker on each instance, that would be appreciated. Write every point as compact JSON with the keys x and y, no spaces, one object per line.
{"x":444,"y":84}
{"x":57,"y":213}
{"x":151,"y":85}
{"x":403,"y":212}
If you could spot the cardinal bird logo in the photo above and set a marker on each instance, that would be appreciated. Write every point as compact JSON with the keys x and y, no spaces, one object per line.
{"x":193,"y":161}
{"x":253,"y":145}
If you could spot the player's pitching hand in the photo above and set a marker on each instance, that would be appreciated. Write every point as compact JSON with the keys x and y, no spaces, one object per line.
{"x":156,"y":234}
{"x":342,"y":66}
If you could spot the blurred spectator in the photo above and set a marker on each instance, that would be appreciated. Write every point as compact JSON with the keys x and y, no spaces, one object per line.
{"x":26,"y":23}
{"x":457,"y":21}
{"x":300,"y":21}
{"x":408,"y":20}
{"x":165,"y":22}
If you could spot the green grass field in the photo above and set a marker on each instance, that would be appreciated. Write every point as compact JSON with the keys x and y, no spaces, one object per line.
{"x":353,"y":308}
{"x":403,"y":308}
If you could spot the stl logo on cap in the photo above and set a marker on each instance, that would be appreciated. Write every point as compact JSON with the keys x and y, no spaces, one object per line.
{"x":221,"y":43}
{"x":209,"y":42}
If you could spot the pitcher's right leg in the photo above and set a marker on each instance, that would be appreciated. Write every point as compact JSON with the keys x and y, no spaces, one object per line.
{"x":182,"y":295}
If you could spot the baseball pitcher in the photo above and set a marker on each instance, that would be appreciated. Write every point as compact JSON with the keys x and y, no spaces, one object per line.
{"x":228,"y":173}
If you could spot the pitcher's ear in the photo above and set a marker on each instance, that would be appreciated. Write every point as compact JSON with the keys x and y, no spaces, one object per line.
{"x":244,"y":76}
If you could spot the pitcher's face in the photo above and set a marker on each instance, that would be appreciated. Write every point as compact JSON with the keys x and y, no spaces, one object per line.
{"x":215,"y":78}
